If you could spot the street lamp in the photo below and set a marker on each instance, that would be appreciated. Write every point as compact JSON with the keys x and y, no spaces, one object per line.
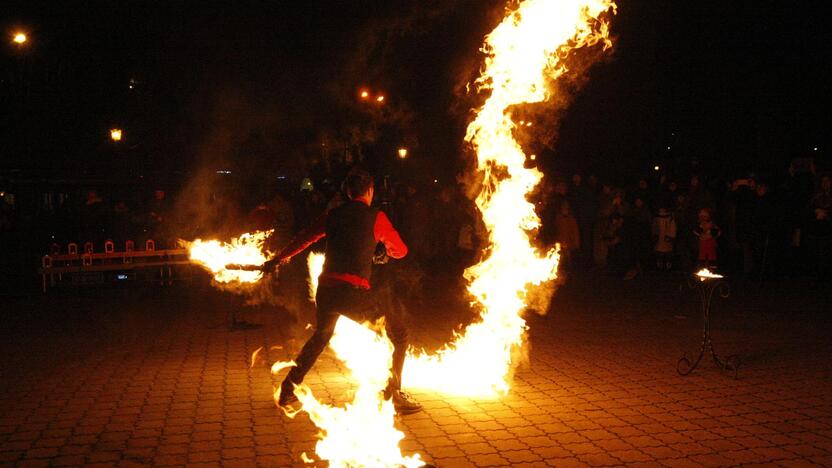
{"x":19,"y":38}
{"x":380,"y":99}
{"x":402,"y":153}
{"x":115,"y":134}
{"x":364,"y":94}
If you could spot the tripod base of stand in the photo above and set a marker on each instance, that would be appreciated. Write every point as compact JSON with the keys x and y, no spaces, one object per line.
{"x":729,"y":364}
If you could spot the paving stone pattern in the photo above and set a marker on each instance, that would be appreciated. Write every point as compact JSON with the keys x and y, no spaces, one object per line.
{"x":156,"y":378}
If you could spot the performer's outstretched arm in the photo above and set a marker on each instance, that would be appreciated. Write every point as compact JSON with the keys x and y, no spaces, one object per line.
{"x":304,"y":239}
{"x":387,"y":234}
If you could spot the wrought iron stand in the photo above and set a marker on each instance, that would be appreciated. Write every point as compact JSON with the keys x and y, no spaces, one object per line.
{"x":707,"y":286}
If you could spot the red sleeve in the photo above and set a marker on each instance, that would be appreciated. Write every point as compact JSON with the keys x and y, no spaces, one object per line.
{"x":304,"y":239}
{"x":387,"y":234}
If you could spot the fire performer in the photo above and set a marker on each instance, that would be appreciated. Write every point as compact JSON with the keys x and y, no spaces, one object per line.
{"x":353,"y":230}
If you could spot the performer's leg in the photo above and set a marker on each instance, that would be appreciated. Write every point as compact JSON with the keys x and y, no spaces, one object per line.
{"x":397,"y":332}
{"x":309,"y":353}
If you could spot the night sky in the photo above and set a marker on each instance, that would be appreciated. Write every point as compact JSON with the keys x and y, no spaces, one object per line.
{"x":736,"y":85}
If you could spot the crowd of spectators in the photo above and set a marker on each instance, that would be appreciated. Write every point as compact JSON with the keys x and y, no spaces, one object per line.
{"x":752,"y":227}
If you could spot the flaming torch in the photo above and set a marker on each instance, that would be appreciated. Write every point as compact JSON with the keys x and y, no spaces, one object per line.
{"x":231,"y":263}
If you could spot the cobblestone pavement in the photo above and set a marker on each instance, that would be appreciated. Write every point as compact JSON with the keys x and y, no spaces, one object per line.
{"x":156,"y":377}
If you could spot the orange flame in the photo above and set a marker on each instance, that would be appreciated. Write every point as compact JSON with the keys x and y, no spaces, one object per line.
{"x":215,"y":256}
{"x":521,"y":53}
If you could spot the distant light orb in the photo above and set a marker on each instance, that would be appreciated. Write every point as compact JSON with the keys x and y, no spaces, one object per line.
{"x":816,"y":148}
{"x":402,"y":153}
{"x":380,"y":99}
{"x":364,"y":94}
{"x":115,"y":134}
{"x":668,"y":148}
{"x":533,"y":157}
{"x":20,"y":38}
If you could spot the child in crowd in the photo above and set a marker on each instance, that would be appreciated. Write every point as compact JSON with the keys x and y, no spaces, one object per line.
{"x":707,"y":232}
{"x":664,"y":233}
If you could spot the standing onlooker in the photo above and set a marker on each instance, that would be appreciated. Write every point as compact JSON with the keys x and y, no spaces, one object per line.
{"x":640,"y":219}
{"x":744,"y":193}
{"x":664,"y":233}
{"x":762,"y":222}
{"x":708,"y":232}
{"x":796,"y":194}
{"x":583,"y":204}
{"x":820,"y":227}
{"x":93,"y":218}
{"x":567,"y":234}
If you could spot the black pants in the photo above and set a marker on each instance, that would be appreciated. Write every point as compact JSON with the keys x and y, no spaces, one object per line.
{"x":360,"y":305}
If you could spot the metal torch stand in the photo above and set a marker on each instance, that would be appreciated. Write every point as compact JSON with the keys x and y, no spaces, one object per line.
{"x":707,"y":288}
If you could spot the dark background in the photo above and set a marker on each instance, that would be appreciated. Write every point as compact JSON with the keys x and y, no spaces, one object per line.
{"x":252,"y":86}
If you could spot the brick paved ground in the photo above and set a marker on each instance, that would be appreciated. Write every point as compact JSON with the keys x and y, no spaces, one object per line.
{"x":154,"y":377}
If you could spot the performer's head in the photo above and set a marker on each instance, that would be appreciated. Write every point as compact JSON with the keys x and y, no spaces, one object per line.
{"x":359,"y":185}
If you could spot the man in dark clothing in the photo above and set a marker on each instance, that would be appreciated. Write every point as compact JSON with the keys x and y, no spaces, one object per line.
{"x":353,"y":230}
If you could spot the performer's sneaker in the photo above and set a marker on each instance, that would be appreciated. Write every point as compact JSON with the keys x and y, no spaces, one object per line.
{"x":404,"y":403}
{"x":287,"y":396}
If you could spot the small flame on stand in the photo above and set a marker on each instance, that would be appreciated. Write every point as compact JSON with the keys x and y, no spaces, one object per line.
{"x":706,"y":274}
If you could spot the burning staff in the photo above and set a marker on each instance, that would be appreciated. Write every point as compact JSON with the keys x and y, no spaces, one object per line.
{"x":352,"y":231}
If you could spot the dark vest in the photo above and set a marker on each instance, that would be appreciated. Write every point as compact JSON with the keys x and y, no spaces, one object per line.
{"x":350,"y":239}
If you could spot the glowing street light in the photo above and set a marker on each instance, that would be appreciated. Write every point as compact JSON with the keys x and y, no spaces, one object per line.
{"x":656,"y":168}
{"x":19,"y":38}
{"x":115,"y":134}
{"x":380,"y":99}
{"x":364,"y":94}
{"x":402,"y":153}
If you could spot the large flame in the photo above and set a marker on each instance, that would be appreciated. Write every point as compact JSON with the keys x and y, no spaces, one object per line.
{"x":523,"y":52}
{"x":216,"y":256}
{"x":361,"y":433}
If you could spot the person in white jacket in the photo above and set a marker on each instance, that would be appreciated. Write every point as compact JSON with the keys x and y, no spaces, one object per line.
{"x":664,"y":234}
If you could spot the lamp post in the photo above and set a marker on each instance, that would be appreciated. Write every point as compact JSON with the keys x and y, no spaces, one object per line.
{"x":20,"y":38}
{"x":402,"y":153}
{"x":115,"y":134}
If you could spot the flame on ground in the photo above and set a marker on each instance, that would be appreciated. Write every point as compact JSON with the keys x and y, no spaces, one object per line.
{"x":362,"y":433}
{"x":215,"y":256}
